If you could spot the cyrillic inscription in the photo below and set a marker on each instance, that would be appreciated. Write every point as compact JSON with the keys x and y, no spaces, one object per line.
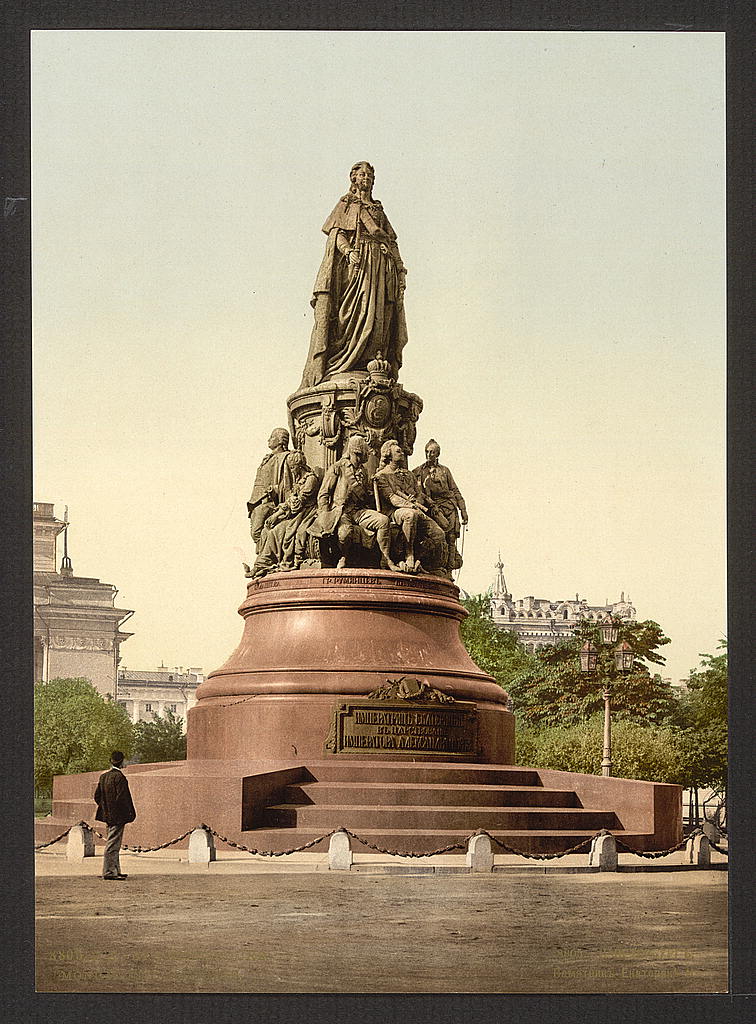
{"x":402,"y":727}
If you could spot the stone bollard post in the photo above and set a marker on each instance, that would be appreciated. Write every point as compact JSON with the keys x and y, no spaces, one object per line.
{"x":603,"y":853}
{"x":80,"y":843}
{"x":201,"y":847}
{"x":479,"y":855}
{"x":698,"y":851}
{"x":340,"y":857}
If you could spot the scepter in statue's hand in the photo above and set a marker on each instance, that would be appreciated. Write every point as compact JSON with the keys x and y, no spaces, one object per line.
{"x":353,"y":256}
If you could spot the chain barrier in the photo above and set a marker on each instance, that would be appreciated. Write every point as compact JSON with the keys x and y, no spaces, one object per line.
{"x":540,"y":856}
{"x":153,"y":849}
{"x":659,"y":853}
{"x":57,"y":839}
{"x":462,"y":845}
{"x":398,"y":853}
{"x":270,"y":853}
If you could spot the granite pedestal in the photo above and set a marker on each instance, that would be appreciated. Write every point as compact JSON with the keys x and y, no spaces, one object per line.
{"x":314,"y":641}
{"x":286,"y":743}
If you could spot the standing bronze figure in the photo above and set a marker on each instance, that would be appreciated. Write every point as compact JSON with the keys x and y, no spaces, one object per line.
{"x":446,"y":501}
{"x":359,"y":291}
{"x":273,"y":482}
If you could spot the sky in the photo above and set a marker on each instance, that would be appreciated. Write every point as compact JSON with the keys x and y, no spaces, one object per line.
{"x":559,"y":201}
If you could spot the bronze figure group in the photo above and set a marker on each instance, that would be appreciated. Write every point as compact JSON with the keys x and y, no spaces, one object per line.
{"x":357,"y":504}
{"x":336,"y":519}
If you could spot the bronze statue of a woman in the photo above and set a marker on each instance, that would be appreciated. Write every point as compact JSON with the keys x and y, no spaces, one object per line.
{"x":359,"y":291}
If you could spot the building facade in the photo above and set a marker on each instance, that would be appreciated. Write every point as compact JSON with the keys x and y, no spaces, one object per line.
{"x":77,"y":628}
{"x":540,"y":622}
{"x":147,"y":693}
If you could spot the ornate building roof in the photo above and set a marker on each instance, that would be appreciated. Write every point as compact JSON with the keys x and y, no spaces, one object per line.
{"x":539,"y":621}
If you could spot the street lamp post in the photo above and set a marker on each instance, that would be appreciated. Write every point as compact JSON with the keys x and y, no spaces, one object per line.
{"x":623,"y":663}
{"x":606,"y":760}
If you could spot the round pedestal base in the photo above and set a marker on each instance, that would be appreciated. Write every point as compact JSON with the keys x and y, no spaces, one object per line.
{"x":315,"y":638}
{"x":297,"y":726}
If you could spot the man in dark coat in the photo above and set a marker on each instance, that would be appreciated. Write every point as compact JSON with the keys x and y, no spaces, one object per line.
{"x":116,"y":809}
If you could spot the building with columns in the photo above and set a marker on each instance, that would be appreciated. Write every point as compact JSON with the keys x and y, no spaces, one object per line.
{"x":147,"y":693}
{"x":77,"y":628}
{"x":539,"y":622}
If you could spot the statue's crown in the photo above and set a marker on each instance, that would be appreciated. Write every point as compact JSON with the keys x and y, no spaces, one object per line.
{"x":380,"y":369}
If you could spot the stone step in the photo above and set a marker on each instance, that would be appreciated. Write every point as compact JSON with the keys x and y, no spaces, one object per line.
{"x":46,"y":829}
{"x":423,"y":817}
{"x":408,"y":841}
{"x":429,"y":794}
{"x":74,"y":810}
{"x":424,"y":773}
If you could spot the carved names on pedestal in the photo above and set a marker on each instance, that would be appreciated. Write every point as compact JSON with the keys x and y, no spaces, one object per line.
{"x":402,"y":727}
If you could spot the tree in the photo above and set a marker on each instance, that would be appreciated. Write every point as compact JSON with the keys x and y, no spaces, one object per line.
{"x":657,"y":734}
{"x":162,"y":739}
{"x":706,"y":700}
{"x":649,"y":752}
{"x":702,"y":718}
{"x":496,"y":651}
{"x":552,"y":690}
{"x":75,"y":729}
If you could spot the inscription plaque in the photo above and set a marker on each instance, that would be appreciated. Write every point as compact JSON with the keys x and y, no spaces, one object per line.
{"x":403,"y":727}
{"x":332,"y":580}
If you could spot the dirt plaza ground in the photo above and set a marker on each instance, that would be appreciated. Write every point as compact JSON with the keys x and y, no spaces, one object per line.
{"x":233,"y":927}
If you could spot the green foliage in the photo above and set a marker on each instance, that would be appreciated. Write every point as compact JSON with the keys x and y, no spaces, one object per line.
{"x":496,"y":651}
{"x":42,"y":803}
{"x":702,"y":718}
{"x":639,"y":751}
{"x":162,"y":739}
{"x":706,"y":700}
{"x":552,"y":690}
{"x":657,"y":734}
{"x":704,"y":756}
{"x":75,"y":729}
{"x":686,"y":745}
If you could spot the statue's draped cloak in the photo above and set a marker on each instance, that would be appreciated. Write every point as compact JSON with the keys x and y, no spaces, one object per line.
{"x":278,"y":547}
{"x":359,"y":311}
{"x":273,"y":472}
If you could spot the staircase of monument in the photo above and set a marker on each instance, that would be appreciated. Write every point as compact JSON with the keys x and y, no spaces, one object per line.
{"x":398,"y":806}
{"x":419,"y":807}
{"x":64,"y":814}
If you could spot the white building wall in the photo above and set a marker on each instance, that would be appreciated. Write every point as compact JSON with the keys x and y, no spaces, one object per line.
{"x":144,"y":698}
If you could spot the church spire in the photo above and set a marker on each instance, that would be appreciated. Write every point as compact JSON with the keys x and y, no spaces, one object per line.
{"x":500,"y":586}
{"x":66,"y":569}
